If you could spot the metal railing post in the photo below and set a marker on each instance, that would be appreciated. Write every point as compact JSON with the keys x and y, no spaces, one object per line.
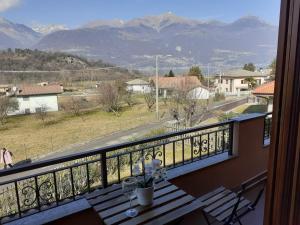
{"x":104,"y":170}
{"x":230,"y":150}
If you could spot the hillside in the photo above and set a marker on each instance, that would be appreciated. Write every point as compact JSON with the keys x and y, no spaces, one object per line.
{"x":27,"y":60}
{"x":25,"y":65}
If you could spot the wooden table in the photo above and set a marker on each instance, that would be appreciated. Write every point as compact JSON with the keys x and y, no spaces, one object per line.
{"x":170,"y":204}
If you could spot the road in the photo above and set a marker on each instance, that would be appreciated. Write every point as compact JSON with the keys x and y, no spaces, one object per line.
{"x":117,"y":137}
{"x":135,"y":133}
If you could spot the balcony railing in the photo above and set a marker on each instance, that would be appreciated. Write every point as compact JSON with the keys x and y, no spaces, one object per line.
{"x":53,"y":182}
{"x":267,"y":127}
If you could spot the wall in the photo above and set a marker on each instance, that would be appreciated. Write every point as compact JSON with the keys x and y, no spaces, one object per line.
{"x":236,"y":84}
{"x":250,"y":158}
{"x":33,"y":102}
{"x":199,"y":93}
{"x":139,"y":88}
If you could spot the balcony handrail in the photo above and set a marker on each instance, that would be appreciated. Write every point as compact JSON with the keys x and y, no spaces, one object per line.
{"x":67,"y":158}
{"x":71,"y":176}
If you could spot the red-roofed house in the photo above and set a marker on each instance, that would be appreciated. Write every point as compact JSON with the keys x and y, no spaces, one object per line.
{"x":34,"y":98}
{"x":265,"y":91}
{"x":167,"y":85}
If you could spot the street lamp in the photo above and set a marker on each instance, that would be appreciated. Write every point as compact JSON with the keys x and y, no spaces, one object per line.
{"x":156,"y":86}
{"x":156,"y":81}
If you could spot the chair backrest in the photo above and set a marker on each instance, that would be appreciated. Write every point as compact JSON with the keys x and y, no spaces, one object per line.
{"x":246,"y":186}
{"x":253,"y":182}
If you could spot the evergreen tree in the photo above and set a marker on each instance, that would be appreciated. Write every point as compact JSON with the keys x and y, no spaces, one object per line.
{"x":170,"y":74}
{"x":196,"y":71}
{"x":249,"y":67}
{"x":272,"y":66}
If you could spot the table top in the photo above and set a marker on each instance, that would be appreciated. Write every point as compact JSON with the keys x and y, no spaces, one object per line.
{"x":170,"y":204}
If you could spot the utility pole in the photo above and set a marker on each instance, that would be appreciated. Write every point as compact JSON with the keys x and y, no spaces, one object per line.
{"x":156,"y":62}
{"x":208,"y":75}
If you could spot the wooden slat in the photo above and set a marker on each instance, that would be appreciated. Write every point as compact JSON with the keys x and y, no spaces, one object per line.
{"x":217,"y":197}
{"x":117,"y":193}
{"x":121,"y":199}
{"x":212,"y":193}
{"x":228,"y":212}
{"x":104,"y":198}
{"x":159,"y":211}
{"x":177,"y":213}
{"x":141,"y":209}
{"x":226,"y":206}
{"x":220,"y":202}
{"x":104,"y":191}
{"x":119,"y":208}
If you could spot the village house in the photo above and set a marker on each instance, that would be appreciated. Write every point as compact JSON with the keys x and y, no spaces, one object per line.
{"x":138,"y":85}
{"x":190,"y":84}
{"x":265,"y":92}
{"x":34,"y":98}
{"x":4,"y":89}
{"x":234,"y":82}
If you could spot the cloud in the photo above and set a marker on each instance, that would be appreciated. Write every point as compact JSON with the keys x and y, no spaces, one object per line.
{"x":8,"y":4}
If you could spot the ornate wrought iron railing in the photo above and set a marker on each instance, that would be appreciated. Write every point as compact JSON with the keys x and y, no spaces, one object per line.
{"x":267,"y":126}
{"x":53,"y":182}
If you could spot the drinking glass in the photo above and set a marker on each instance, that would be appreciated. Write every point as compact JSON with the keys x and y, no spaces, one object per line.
{"x":129,"y":186}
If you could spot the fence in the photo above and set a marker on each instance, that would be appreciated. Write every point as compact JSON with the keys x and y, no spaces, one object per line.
{"x":53,"y":182}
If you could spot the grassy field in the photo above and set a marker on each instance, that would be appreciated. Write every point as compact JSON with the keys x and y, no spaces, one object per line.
{"x":247,"y":108}
{"x":28,"y":137}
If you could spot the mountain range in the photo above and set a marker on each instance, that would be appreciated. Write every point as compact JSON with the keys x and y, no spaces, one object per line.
{"x":136,"y":42}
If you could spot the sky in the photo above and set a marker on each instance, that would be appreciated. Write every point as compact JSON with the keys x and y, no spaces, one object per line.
{"x":74,"y":13}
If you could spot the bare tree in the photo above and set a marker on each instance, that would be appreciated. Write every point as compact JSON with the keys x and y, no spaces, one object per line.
{"x":75,"y":105}
{"x":7,"y":104}
{"x":149,"y":99}
{"x":125,"y":94}
{"x":41,"y":113}
{"x":127,"y":98}
{"x":185,"y":106}
{"x":110,"y":97}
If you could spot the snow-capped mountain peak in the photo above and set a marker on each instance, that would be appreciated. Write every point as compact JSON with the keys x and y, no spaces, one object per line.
{"x":47,"y":29}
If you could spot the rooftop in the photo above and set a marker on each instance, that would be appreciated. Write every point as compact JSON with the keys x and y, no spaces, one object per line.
{"x":26,"y":90}
{"x":179,"y":82}
{"x":240,"y":73}
{"x":265,"y":89}
{"x":137,"y":82}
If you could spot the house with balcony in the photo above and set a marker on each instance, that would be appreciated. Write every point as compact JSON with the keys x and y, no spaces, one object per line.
{"x":234,"y":82}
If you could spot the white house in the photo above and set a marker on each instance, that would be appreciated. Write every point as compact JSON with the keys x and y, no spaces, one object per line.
{"x":233,"y":82}
{"x":138,"y":85}
{"x":34,"y":98}
{"x":189,"y":84}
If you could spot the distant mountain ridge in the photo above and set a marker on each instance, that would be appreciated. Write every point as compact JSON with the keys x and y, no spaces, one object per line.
{"x":136,"y":42}
{"x":13,"y":35}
